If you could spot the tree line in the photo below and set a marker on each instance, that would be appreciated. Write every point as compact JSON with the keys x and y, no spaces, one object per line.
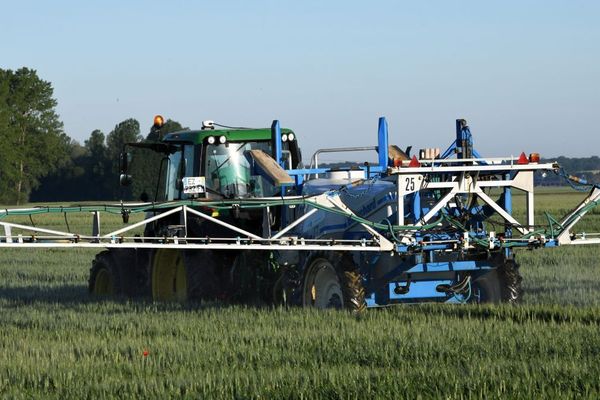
{"x":39,"y":162}
{"x":32,"y":140}
{"x":91,"y":171}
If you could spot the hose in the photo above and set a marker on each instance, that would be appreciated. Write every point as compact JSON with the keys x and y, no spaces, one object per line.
{"x":554,"y":227}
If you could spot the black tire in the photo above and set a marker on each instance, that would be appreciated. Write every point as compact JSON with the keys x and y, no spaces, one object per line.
{"x":485,"y":288}
{"x":328,"y":280}
{"x":292,"y":285}
{"x":243,"y":279}
{"x":354,"y":291}
{"x":202,"y":270}
{"x":255,"y":278}
{"x":108,"y":277}
{"x":183,"y":275}
{"x":511,"y":282}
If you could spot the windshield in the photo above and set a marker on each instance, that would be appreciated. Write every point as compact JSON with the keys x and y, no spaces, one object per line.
{"x":229,"y":170}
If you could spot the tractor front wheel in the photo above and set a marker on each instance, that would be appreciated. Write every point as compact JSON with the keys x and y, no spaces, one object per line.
{"x":105,"y":276}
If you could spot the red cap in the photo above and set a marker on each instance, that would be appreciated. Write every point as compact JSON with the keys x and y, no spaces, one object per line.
{"x":523,"y":159}
{"x":414,"y":163}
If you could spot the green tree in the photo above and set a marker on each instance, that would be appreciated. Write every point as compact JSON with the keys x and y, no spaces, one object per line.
{"x":127,"y":131}
{"x":98,"y":162}
{"x":87,"y":176}
{"x":92,"y":171}
{"x":147,"y":181}
{"x":69,"y":181}
{"x":34,"y":143}
{"x":6,"y":155}
{"x":96,"y":144}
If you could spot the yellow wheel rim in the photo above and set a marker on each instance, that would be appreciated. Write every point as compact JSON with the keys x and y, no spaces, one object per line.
{"x":103,"y":285}
{"x":169,"y":278}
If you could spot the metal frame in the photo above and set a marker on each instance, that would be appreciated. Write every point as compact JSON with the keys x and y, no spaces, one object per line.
{"x":466,"y":179}
{"x":464,"y":182}
{"x":245,"y":240}
{"x":566,"y":236}
{"x":467,"y":182}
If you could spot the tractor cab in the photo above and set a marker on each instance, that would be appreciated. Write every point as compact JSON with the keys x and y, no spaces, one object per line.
{"x":208,"y":163}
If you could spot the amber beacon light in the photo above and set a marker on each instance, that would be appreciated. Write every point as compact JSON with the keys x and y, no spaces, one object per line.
{"x":159,"y":121}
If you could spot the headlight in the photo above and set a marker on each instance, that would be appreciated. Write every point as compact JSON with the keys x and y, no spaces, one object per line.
{"x":211,"y":139}
{"x":284,"y":138}
{"x":222,"y":139}
{"x":291,"y":137}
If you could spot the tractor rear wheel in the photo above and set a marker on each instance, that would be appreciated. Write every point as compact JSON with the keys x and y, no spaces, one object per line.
{"x":106,"y":276}
{"x":332,"y":282}
{"x":511,"y":280}
{"x":182,"y":276}
{"x":485,"y":288}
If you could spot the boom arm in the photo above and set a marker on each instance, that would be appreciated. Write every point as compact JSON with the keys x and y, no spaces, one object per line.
{"x":569,"y":221}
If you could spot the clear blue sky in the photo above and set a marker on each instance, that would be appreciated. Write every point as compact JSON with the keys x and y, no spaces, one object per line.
{"x":525,"y":74}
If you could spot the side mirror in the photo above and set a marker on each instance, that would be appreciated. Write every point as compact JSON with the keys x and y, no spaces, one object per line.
{"x":125,"y":180}
{"x":124,"y":160}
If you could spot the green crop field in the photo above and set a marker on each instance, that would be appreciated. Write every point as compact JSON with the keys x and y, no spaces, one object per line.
{"x":57,"y":342}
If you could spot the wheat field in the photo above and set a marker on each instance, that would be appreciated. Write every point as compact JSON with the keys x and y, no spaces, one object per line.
{"x":57,"y":342}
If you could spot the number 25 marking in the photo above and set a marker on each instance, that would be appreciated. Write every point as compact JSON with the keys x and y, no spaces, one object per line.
{"x":410,"y":184}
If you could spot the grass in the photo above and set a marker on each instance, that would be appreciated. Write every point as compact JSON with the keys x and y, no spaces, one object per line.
{"x":57,"y":342}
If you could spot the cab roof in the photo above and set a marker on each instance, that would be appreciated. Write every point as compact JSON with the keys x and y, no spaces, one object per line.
{"x":232,"y":135}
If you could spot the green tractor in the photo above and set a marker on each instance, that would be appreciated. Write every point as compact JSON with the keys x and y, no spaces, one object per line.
{"x":200,"y":164}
